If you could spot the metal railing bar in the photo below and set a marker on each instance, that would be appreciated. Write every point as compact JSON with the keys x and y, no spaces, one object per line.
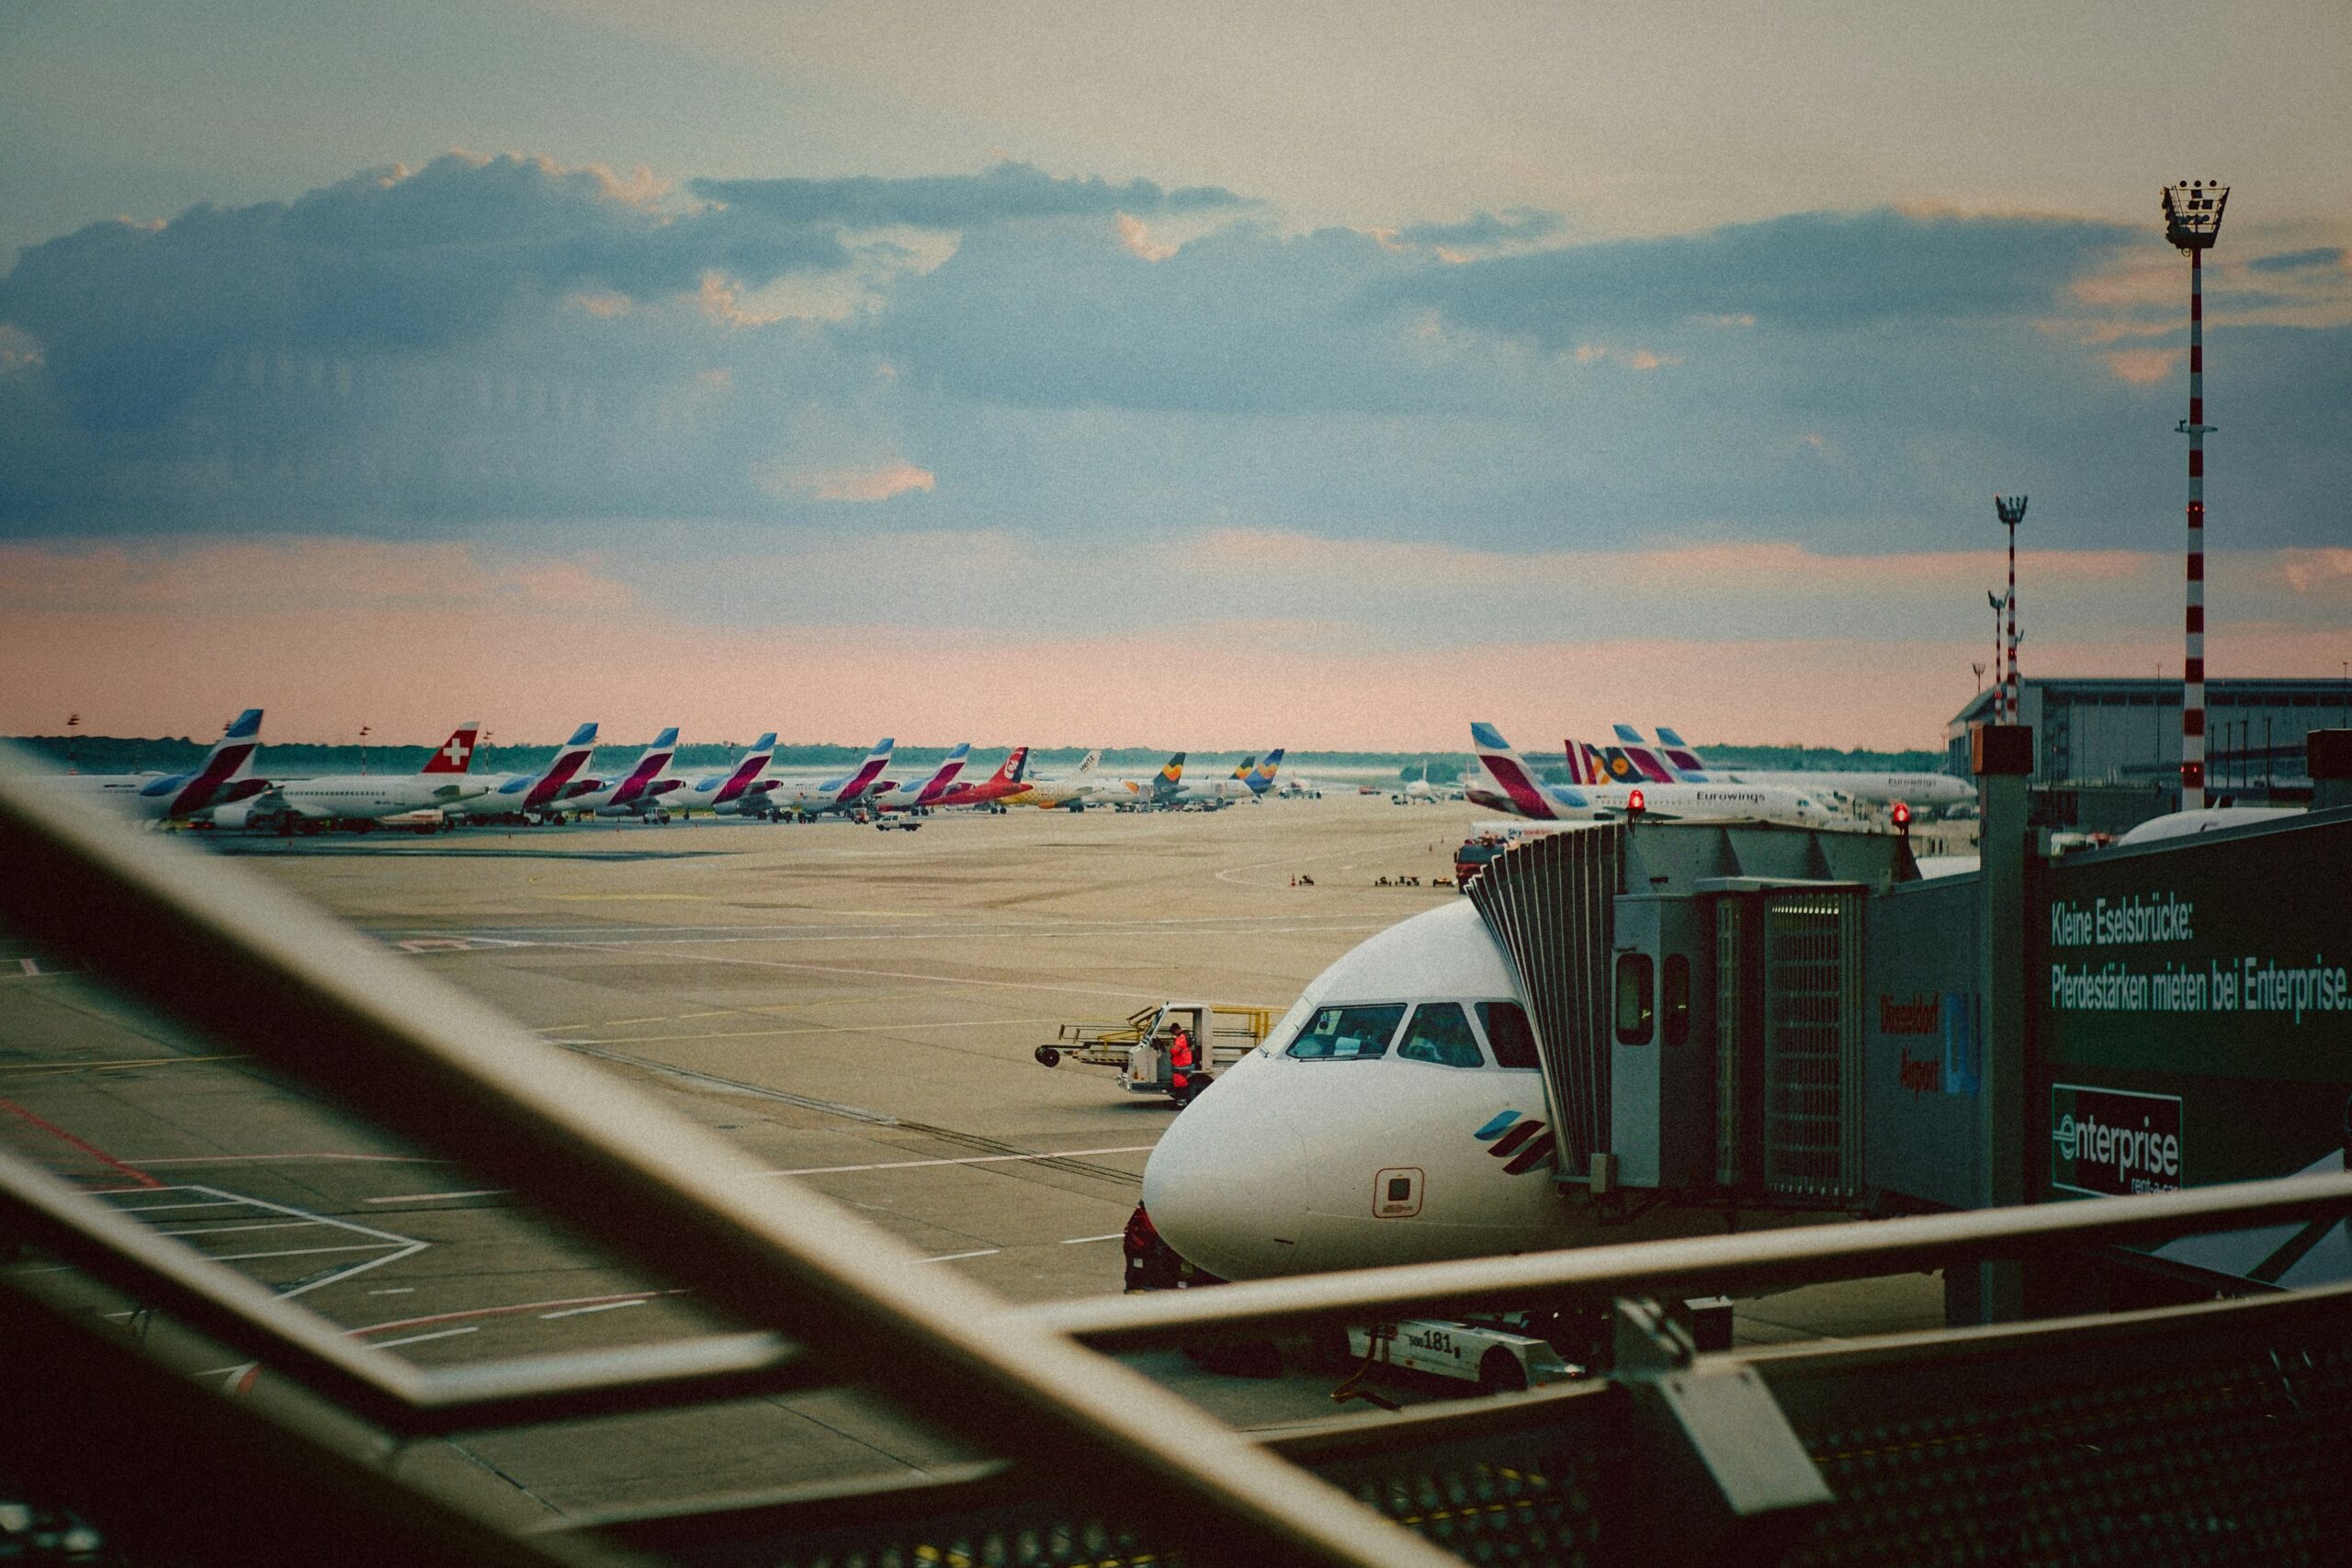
{"x":108,"y":1246}
{"x":1732,"y":1264}
{"x":239,"y":958}
{"x":197,"y":1479}
{"x":587,"y":1384}
{"x":1920,"y":1351}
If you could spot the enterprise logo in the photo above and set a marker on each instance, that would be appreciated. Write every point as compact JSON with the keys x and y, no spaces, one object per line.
{"x":2108,"y":1143}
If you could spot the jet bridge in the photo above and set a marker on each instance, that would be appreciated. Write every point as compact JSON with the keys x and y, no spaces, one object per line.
{"x":1697,"y":993}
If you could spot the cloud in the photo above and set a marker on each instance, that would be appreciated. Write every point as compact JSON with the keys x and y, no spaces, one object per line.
{"x":846,"y":484}
{"x":2142,"y":367}
{"x":1006,"y":193}
{"x":416,"y":353}
{"x":2299,"y":261}
{"x":1484,"y":231}
{"x":1811,"y":270}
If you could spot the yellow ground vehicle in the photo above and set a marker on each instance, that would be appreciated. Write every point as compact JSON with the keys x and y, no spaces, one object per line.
{"x":1139,"y":1046}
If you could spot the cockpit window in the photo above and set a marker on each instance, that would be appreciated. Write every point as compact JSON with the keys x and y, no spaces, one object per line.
{"x":1509,"y":1032}
{"x":1345,"y":1033}
{"x":1440,"y":1033}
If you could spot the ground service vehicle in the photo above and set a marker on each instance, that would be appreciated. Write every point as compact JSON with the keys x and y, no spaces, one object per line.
{"x":1138,"y":1047}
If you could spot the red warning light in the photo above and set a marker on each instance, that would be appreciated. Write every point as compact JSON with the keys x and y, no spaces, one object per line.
{"x":1902,"y":815}
{"x":1634,"y":803}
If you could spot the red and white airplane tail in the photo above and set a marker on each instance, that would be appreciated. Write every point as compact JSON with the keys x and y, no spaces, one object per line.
{"x":457,"y":753}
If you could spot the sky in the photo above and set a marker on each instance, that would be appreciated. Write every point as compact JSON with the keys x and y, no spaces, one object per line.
{"x":1219,"y":376}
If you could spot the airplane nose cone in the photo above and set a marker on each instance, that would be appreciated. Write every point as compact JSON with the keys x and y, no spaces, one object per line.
{"x":1225,"y":1186}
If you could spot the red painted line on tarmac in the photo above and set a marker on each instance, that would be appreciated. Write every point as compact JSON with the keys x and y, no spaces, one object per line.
{"x":95,"y":1153}
{"x":504,"y":1310}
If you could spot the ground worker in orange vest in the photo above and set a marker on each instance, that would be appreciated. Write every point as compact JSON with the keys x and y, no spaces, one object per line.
{"x":1180,"y":1064}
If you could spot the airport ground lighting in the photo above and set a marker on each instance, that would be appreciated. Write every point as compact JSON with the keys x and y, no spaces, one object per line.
{"x":2193,"y":211}
{"x":2011,"y":511}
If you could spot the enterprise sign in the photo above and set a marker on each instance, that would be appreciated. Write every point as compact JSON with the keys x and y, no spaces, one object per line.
{"x":2106,"y":1143}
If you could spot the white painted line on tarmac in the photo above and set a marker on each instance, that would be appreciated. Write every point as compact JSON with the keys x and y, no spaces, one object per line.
{"x":393,"y":1291}
{"x":223,"y":1230}
{"x":966,"y":1159}
{"x":30,"y":967}
{"x":421,"y":1338}
{"x":428,"y":1197}
{"x":602,"y":1306}
{"x":159,"y":1208}
{"x":297,"y":1252}
{"x":1074,"y":1240}
{"x":952,"y":1256}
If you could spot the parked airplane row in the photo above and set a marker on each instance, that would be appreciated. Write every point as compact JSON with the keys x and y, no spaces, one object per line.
{"x":1669,"y":781}
{"x":225,"y":790}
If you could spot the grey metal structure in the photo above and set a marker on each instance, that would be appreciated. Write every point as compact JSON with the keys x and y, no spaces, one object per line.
{"x":2206,"y":1435}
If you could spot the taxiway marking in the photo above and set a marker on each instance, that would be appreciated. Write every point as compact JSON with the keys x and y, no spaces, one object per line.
{"x":966,"y":1159}
{"x":421,"y":1338}
{"x":952,"y":1256}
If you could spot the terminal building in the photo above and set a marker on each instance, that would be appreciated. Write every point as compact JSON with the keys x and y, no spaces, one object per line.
{"x":2108,"y":751}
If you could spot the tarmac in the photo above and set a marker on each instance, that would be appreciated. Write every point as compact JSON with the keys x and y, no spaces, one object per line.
{"x":855,"y":1009}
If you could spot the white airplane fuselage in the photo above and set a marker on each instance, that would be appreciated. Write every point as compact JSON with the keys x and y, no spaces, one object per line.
{"x":1284,"y":1165}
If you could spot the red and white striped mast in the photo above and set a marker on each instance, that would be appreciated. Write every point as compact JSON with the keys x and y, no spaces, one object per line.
{"x":2192,"y":223}
{"x":1998,"y":604}
{"x":2010,"y":509}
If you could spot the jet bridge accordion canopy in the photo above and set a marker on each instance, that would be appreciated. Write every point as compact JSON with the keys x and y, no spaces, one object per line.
{"x":1550,"y":900}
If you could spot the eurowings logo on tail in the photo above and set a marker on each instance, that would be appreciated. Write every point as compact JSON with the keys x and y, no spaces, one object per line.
{"x":858,"y":782}
{"x":649,"y":767}
{"x":230,"y":756}
{"x":945,"y":779}
{"x":754,"y":762}
{"x":1526,"y":795}
{"x":1682,"y":755}
{"x":457,"y":753}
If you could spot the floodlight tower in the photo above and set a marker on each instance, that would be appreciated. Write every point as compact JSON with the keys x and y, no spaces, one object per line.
{"x":2010,"y":509}
{"x":1998,"y":604}
{"x":2192,"y":223}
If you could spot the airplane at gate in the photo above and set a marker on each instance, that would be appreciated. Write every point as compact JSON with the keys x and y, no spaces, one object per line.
{"x":445,"y":783}
{"x":1070,"y":793}
{"x":993,"y":791}
{"x":1137,"y":794}
{"x":1397,"y":1115}
{"x":638,"y":793}
{"x":1261,"y":778}
{"x":915,"y":797}
{"x":848,"y":793}
{"x":739,"y":791}
{"x":1682,"y":764}
{"x":531,"y":796}
{"x":224,"y":777}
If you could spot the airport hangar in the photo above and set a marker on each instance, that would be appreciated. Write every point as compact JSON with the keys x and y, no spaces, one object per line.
{"x":2107,"y":753}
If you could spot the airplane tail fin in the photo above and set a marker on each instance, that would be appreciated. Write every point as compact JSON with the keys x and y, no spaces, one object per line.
{"x":1241,"y":768}
{"x":457,"y":753}
{"x":1510,"y":772}
{"x":1171,"y":772}
{"x":945,"y":777}
{"x":1264,"y":778}
{"x":1681,"y":756}
{"x":1637,"y":752}
{"x":1016,"y":763}
{"x":1086,"y":763}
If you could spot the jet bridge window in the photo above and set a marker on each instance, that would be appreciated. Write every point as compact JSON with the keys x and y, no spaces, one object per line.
{"x":1636,"y":983}
{"x":1510,"y":1034}
{"x":1346,"y":1033}
{"x":1674,"y":999}
{"x":1440,"y":1033}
